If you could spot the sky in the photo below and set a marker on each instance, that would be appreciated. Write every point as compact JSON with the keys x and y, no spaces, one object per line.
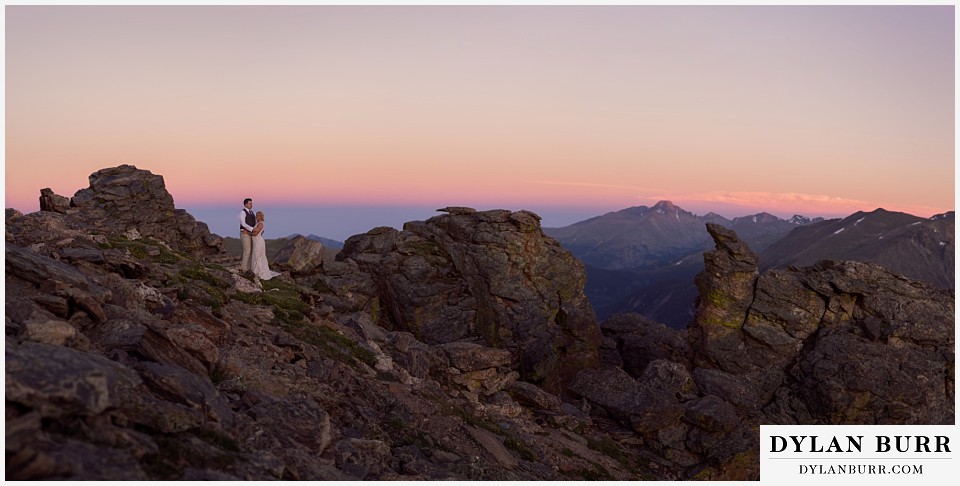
{"x":337,"y":119}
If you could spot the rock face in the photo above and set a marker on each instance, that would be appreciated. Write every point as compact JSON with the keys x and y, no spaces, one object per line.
{"x":491,"y":276}
{"x":126,"y":200}
{"x":726,"y":291}
{"x":300,"y":255}
{"x":748,"y":322}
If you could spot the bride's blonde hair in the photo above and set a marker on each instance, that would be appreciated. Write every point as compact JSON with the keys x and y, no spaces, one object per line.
{"x":260,"y":216}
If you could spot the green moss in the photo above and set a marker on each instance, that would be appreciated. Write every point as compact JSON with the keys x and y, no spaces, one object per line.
{"x":249,"y":298}
{"x":373,"y":308}
{"x":860,"y":402}
{"x":526,"y":453}
{"x":216,"y":266}
{"x":525,"y":227}
{"x":703,"y":475}
{"x":610,"y":448}
{"x":140,"y":249}
{"x":331,"y":343}
{"x":321,"y":286}
{"x":568,"y":292}
{"x":219,"y":295}
{"x":199,"y":272}
{"x":488,"y":326}
{"x":290,"y":313}
{"x":277,"y":284}
{"x":218,"y":439}
{"x":719,"y":298}
{"x":453,"y":411}
{"x":215,"y":307}
{"x":167,"y":256}
{"x":285,"y":318}
{"x":218,"y":374}
{"x":567,"y":452}
{"x":741,"y":467}
{"x":285,"y":299}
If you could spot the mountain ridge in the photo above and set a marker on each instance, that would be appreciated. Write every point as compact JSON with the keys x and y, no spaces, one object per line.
{"x":921,"y":248}
{"x":641,"y":236}
{"x":663,"y":290}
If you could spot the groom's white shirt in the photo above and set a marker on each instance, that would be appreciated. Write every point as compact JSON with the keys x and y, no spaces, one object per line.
{"x":243,"y":219}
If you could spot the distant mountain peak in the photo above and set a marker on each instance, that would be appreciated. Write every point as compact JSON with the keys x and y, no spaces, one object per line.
{"x":672,"y":211}
{"x":946,"y":215}
{"x":666,"y":206}
{"x":759,"y":218}
{"x":801,"y":220}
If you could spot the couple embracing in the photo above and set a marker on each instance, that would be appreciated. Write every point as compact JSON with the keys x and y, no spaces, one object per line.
{"x":251,"y":238}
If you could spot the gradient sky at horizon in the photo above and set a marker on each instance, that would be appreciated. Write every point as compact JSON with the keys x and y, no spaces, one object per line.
{"x":821,"y":111}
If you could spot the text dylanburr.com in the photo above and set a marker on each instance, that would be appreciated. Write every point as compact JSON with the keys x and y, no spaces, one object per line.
{"x":829,"y":454}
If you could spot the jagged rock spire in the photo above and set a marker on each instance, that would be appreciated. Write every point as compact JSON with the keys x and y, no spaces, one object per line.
{"x":726,"y":291}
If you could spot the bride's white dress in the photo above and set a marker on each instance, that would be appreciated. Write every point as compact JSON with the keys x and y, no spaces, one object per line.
{"x":258,"y":259}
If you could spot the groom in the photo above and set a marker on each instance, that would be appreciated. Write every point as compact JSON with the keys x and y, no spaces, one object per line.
{"x":247,"y":222}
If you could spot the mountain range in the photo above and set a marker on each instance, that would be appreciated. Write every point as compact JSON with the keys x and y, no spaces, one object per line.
{"x":919,"y":248}
{"x":643,"y":259}
{"x":644,"y":236}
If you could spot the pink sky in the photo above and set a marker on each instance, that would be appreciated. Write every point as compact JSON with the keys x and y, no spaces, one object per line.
{"x":810,"y":110}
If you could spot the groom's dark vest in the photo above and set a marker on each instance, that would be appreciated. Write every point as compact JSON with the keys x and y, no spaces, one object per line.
{"x":251,"y":219}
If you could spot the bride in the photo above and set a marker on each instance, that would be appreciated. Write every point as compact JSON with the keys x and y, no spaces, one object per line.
{"x":258,"y":257}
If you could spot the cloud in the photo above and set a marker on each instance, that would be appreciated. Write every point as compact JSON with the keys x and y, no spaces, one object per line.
{"x":592,"y":184}
{"x":735,"y":203}
{"x":751,"y":198}
{"x":794,"y":202}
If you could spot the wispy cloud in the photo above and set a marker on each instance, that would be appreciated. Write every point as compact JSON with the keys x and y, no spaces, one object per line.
{"x":749,"y":198}
{"x":738,"y":203}
{"x":594,"y":184}
{"x":794,"y":202}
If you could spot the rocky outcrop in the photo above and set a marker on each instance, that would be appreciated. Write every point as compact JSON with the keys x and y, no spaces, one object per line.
{"x":631,"y":342}
{"x":726,"y":291}
{"x":129,"y":360}
{"x":50,"y":201}
{"x":489,"y":275}
{"x":835,"y":343}
{"x":128,"y":201}
{"x":747,"y":323}
{"x":300,"y":255}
